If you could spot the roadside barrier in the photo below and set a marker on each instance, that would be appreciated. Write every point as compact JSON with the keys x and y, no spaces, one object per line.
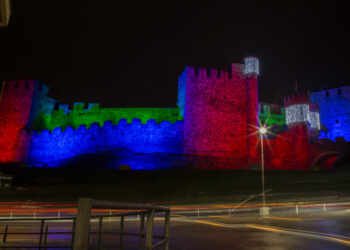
{"x":87,"y":231}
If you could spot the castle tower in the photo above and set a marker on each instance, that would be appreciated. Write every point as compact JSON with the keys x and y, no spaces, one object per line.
{"x":300,"y":110}
{"x":303,"y":123}
{"x":15,"y":107}
{"x":251,"y":72}
{"x":214,"y":108}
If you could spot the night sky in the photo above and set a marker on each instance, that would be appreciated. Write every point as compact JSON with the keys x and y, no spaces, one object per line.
{"x":130,"y":53}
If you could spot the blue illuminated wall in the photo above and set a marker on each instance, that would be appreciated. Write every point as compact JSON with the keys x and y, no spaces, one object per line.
{"x":51,"y":148}
{"x":334,"y":107}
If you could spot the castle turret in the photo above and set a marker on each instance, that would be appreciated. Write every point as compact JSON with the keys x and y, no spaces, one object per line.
{"x":300,"y":110}
{"x":251,"y":72}
{"x":303,"y":124}
{"x":15,"y":106}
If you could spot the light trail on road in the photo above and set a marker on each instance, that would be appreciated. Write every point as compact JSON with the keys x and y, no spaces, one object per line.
{"x":11,"y":209}
{"x":337,"y":238}
{"x":281,"y":218}
{"x":310,"y":234}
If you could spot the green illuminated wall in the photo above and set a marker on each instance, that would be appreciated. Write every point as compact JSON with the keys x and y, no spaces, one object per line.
{"x":269,"y":117}
{"x":272,"y":119}
{"x":78,"y":116}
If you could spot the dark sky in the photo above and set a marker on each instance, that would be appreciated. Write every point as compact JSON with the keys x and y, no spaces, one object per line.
{"x":130,"y":53}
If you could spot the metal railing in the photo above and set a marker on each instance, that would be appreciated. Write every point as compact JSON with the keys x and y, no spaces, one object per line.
{"x":38,"y":238}
{"x":88,"y":231}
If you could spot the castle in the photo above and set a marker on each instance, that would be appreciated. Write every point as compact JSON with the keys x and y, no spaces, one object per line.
{"x":214,"y":126}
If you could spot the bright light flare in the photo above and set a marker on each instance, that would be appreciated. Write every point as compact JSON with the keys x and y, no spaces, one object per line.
{"x":262,"y":130}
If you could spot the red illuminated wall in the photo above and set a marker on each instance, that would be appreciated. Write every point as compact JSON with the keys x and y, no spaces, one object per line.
{"x":290,"y":150}
{"x":215,"y":113}
{"x":252,"y":117}
{"x":15,"y":105}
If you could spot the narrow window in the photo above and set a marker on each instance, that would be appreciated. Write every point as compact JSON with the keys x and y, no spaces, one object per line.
{"x":339,"y":91}
{"x":327,"y":93}
{"x":57,"y":105}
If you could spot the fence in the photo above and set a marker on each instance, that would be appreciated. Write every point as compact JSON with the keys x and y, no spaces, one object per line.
{"x":88,"y":231}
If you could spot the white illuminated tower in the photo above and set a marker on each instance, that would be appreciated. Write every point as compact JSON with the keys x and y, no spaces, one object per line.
{"x":251,"y":66}
{"x":299,"y":110}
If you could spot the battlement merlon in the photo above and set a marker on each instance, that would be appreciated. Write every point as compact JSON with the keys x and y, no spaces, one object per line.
{"x":203,"y":73}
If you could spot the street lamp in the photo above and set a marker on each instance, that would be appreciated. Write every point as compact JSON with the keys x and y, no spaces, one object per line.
{"x":263,"y":210}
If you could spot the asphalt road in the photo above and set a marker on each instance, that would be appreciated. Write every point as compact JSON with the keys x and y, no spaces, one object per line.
{"x":311,"y":226}
{"x":210,"y":237}
{"x":213,"y":232}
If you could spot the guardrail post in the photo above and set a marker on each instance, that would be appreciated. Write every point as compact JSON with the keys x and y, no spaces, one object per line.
{"x":5,"y":234}
{"x":166,"y":230}
{"x":121,"y":232}
{"x":82,"y":232}
{"x":142,"y":231}
{"x":73,"y":232}
{"x":149,"y":229}
{"x":41,"y":233}
{"x":100,"y":220}
{"x":46,"y":233}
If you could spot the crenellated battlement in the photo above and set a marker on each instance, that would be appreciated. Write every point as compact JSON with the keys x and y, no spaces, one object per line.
{"x":79,"y":107}
{"x":92,"y":113}
{"x":201,"y":73}
{"x":122,"y":123}
{"x":296,"y":99}
{"x":18,"y":84}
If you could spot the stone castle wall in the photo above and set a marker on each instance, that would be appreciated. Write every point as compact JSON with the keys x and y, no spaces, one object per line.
{"x":213,"y":127}
{"x":15,"y":107}
{"x":51,"y":148}
{"x":79,"y":115}
{"x":334,"y":108}
{"x":215,"y":113}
